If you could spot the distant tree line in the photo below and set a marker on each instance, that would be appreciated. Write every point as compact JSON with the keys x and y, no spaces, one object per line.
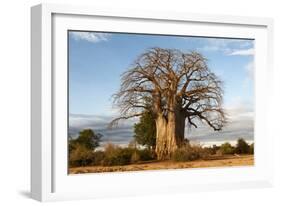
{"x":82,"y":150}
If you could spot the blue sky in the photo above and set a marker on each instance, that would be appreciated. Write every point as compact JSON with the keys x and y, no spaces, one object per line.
{"x":96,"y":61}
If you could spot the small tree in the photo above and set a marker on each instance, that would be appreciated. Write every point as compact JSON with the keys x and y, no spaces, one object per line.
{"x":89,"y":139}
{"x":145,"y":130}
{"x":226,"y":148}
{"x":252,"y":149}
{"x":242,"y":147}
{"x":81,"y":149}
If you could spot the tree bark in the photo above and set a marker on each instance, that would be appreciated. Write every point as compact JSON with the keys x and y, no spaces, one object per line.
{"x":161,"y":137}
{"x":180,"y":126}
{"x":170,"y":134}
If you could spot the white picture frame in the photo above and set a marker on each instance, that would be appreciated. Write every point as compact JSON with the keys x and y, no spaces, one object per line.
{"x":49,"y":178}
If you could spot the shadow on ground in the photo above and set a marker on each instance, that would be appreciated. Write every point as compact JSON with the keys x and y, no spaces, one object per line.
{"x":25,"y":193}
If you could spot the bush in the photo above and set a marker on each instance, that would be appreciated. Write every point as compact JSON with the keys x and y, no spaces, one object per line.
{"x":226,"y":148}
{"x":115,"y":155}
{"x":119,"y":157}
{"x":146,"y":154}
{"x":80,"y":156}
{"x":109,"y":149}
{"x":212,"y":150}
{"x":252,"y":148}
{"x":242,"y":147}
{"x":189,"y":153}
{"x":135,"y":157}
{"x":97,"y":158}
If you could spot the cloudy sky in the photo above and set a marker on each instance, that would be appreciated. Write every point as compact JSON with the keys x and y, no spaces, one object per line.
{"x":96,"y":61}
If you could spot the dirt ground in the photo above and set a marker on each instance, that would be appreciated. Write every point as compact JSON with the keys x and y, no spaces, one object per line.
{"x":216,"y":161}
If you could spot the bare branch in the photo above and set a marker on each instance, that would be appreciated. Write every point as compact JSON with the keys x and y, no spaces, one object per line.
{"x":115,"y":122}
{"x":164,"y":79}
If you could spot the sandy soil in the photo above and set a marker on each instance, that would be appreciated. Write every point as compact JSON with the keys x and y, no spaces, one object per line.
{"x":215,"y":161}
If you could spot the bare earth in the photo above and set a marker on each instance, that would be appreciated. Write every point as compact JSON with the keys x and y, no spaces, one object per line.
{"x":221,"y":161}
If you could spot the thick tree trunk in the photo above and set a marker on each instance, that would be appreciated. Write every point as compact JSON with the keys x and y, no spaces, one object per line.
{"x":161,"y":137}
{"x":169,"y":134}
{"x":171,"y":137}
{"x":180,"y":127}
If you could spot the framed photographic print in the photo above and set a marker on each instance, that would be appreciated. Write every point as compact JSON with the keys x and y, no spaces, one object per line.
{"x":136,"y":102}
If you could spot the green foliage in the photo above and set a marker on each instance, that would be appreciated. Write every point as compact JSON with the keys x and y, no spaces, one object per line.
{"x":242,"y":147}
{"x":145,"y":130}
{"x":252,"y":148}
{"x":146,"y":155}
{"x":81,"y":149}
{"x":189,"y":153}
{"x":226,"y":148}
{"x":88,"y":138}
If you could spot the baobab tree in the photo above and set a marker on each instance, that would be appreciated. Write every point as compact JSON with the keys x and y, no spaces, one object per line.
{"x":178,"y":88}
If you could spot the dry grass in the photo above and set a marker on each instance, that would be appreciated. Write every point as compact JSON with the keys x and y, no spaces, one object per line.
{"x":214,"y":161}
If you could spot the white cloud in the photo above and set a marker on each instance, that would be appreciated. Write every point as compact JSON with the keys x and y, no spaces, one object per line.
{"x":216,"y":44}
{"x":240,"y":124}
{"x":243,"y":52}
{"x":250,"y":69}
{"x":246,"y":44}
{"x":122,"y":134}
{"x":240,"y":112}
{"x":90,"y":36}
{"x":228,"y":46}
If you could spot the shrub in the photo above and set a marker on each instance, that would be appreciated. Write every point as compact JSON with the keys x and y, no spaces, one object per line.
{"x":109,"y":149}
{"x":189,"y":153}
{"x":212,"y":150}
{"x":80,"y":156}
{"x":208,"y":150}
{"x":181,"y":155}
{"x":123,"y":156}
{"x":97,"y":158}
{"x":203,"y":152}
{"x":242,"y":147}
{"x":115,"y":155}
{"x":252,"y":148}
{"x":135,"y":157}
{"x":146,"y":154}
{"x":215,"y":148}
{"x":226,"y":148}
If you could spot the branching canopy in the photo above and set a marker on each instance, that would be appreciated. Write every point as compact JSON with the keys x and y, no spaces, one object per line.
{"x":166,"y":80}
